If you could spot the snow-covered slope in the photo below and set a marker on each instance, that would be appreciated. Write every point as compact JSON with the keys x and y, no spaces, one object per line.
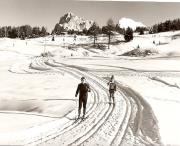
{"x":127,"y":22}
{"x":72,"y":22}
{"x":28,"y":81}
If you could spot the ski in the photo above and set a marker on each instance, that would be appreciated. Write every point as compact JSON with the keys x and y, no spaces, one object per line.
{"x":76,"y":120}
{"x":83,"y":119}
{"x":79,"y":120}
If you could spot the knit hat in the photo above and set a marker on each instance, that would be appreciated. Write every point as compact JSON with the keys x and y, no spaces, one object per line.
{"x":82,"y":78}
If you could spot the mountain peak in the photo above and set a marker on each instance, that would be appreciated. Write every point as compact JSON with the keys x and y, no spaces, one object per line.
{"x":72,"y":22}
{"x":127,"y":22}
{"x":66,"y":17}
{"x":70,"y":14}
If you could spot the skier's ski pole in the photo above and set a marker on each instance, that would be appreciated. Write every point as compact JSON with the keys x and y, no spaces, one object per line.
{"x":76,"y":109}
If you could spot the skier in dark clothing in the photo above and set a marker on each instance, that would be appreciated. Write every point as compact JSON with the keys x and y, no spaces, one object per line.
{"x":83,"y":89}
{"x":112,"y":88}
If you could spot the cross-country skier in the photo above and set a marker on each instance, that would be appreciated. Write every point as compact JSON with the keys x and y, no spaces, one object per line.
{"x":112,"y":89}
{"x":82,"y":89}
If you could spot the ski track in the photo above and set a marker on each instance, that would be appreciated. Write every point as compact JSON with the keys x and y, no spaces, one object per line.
{"x":106,"y":123}
{"x":71,"y":125}
{"x":55,"y":135}
{"x":88,"y":125}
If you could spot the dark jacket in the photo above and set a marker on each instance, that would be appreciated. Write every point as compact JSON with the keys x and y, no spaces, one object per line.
{"x":112,"y":86}
{"x":82,"y":89}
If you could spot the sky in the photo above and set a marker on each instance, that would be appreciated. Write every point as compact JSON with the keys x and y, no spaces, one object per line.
{"x":48,"y":12}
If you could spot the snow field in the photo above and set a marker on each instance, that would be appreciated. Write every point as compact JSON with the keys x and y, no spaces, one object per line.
{"x":29,"y":80}
{"x":164,"y":104}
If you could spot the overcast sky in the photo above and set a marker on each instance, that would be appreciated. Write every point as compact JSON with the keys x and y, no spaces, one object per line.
{"x":48,"y":12}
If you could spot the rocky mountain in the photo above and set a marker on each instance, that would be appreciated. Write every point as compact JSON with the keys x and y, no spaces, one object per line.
{"x":127,"y":22}
{"x":72,"y":22}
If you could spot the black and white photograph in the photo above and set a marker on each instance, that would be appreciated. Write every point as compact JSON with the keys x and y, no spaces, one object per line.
{"x":89,"y":73}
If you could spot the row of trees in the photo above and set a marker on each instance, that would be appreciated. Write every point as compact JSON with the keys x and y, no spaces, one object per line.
{"x":169,"y":25}
{"x":141,"y":30}
{"x":58,"y":29}
{"x":24,"y":31}
{"x":110,"y":29}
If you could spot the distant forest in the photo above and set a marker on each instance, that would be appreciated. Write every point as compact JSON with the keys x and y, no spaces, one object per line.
{"x":168,"y":25}
{"x":27,"y":31}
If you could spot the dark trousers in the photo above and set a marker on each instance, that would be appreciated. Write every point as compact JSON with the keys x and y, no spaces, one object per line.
{"x":82,"y":101}
{"x":111,"y":95}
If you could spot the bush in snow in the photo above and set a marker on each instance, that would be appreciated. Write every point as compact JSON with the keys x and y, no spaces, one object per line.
{"x":128,"y":36}
{"x":47,"y":54}
{"x":139,"y":52}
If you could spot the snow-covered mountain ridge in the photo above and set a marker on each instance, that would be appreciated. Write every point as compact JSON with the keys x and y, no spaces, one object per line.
{"x":72,"y":22}
{"x":127,"y":22}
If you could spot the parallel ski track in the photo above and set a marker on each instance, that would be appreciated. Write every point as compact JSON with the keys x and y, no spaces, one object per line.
{"x":71,"y":125}
{"x":104,"y":113}
{"x":118,"y":138}
{"x":109,"y":112}
{"x":118,"y":133}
